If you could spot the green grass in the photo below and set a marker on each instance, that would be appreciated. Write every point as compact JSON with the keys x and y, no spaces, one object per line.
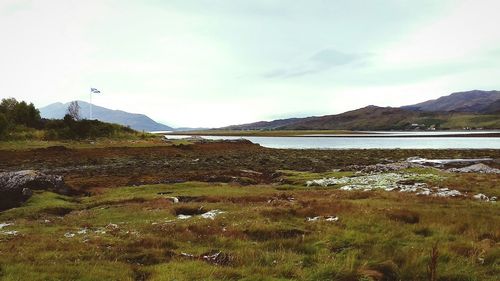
{"x":264,"y":235}
{"x":98,"y":143}
{"x":471,"y":120}
{"x":41,"y":202}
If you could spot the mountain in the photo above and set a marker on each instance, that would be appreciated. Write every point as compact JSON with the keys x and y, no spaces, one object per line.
{"x":139,"y":122}
{"x":472,"y":101}
{"x":265,"y":125}
{"x":493,"y":108}
{"x":187,"y":129}
{"x":367,"y":118}
{"x":472,"y":109}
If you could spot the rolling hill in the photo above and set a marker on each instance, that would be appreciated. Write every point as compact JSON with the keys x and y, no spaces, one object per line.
{"x":475,"y":101}
{"x":139,"y":122}
{"x":473,"y":109}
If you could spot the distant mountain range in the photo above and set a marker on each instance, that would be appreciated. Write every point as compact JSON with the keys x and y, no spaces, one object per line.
{"x":139,"y":122}
{"x":472,"y":101}
{"x":472,"y":109}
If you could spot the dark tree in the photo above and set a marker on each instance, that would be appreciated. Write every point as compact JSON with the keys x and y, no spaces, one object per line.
{"x":20,"y":113}
{"x":4,"y":125}
{"x":74,"y":110}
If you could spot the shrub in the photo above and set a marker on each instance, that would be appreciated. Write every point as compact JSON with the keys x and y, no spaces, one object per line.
{"x":4,"y":124}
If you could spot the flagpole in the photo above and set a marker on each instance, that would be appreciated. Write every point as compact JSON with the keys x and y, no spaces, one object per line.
{"x":90,"y":104}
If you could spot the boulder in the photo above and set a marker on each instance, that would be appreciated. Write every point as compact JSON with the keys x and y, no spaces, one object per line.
{"x":476,"y":168}
{"x":17,"y":187}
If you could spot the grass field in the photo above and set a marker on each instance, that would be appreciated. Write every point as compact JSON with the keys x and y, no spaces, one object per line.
{"x":97,"y":143}
{"x":134,"y":233}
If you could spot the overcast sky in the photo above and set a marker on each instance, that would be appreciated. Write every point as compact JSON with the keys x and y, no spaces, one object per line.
{"x":213,"y":63}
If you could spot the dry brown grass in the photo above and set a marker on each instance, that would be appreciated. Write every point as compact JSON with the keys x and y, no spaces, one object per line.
{"x":405,"y":216}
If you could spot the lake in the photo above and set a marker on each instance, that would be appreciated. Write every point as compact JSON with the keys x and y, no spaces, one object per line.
{"x":372,"y":141}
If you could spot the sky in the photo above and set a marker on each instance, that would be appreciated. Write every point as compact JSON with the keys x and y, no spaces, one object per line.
{"x":212,"y":63}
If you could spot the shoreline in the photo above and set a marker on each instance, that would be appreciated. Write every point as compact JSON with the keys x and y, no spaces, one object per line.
{"x":344,"y":134}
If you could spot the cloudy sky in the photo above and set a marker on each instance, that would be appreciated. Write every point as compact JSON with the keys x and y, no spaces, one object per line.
{"x":219,"y":62}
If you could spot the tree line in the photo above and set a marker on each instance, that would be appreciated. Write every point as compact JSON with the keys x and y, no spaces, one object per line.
{"x":20,"y":120}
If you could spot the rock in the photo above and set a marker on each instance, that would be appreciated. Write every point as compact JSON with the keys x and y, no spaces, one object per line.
{"x":7,"y":232}
{"x":4,"y":224}
{"x":213,"y":257}
{"x":217,"y":258}
{"x":476,"y":168}
{"x":173,"y":199}
{"x":16,"y":187}
{"x":379,"y":168}
{"x":332,"y":218}
{"x":441,"y":162}
{"x":483,"y":197}
{"x":212,"y":214}
{"x":183,"y":217}
{"x":112,"y":226}
{"x":251,"y":172}
{"x":27,"y":192}
{"x":446,"y":192}
{"x":388,"y":182}
{"x":318,"y":218}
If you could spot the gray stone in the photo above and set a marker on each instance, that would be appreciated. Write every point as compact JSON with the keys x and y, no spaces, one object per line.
{"x":17,"y":187}
{"x":476,"y":168}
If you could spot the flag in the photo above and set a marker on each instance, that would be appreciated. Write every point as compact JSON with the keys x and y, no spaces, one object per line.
{"x":94,"y":91}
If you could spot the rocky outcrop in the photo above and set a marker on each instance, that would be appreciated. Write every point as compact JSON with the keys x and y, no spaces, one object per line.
{"x":390,"y":167}
{"x":17,"y":187}
{"x":476,"y":168}
{"x":442,"y":162}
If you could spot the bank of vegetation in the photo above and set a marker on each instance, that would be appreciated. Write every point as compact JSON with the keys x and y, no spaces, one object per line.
{"x":20,"y":120}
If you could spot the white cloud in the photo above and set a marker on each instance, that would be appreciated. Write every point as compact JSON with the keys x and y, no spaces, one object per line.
{"x":188,"y":64}
{"x":469,"y":28}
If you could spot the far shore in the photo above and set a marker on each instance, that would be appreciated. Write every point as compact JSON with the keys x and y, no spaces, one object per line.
{"x":337,"y":133}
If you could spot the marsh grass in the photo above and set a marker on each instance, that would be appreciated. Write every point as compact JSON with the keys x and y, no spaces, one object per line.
{"x":132,"y":233}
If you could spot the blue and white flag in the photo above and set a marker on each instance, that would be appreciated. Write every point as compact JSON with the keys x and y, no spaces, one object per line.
{"x":94,"y":91}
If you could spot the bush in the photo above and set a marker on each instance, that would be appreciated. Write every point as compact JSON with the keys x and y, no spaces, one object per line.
{"x":68,"y":128}
{"x":20,"y":120}
{"x":4,"y":124}
{"x":20,"y":113}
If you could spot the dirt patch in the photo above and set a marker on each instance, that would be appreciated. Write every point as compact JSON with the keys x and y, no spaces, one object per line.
{"x":238,"y":163}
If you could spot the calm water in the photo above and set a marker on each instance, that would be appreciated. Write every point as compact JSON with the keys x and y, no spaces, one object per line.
{"x":367,"y":142}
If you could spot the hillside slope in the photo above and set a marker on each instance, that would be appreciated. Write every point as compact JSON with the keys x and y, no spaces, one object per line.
{"x":380,"y":118}
{"x":139,"y":122}
{"x":475,"y":101}
{"x":471,"y":109}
